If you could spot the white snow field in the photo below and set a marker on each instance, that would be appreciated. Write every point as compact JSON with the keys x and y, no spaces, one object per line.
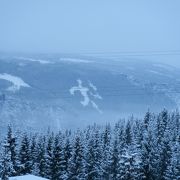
{"x":16,"y":81}
{"x":73,"y":60}
{"x":86,"y":93}
{"x":34,"y":60}
{"x":27,"y":177}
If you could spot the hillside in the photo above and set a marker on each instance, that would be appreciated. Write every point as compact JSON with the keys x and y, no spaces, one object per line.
{"x":70,"y":91}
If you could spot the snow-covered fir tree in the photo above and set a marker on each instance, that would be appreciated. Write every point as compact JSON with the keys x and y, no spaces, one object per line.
{"x":76,"y":163}
{"x":146,"y":149}
{"x":24,"y":156}
{"x":6,"y":163}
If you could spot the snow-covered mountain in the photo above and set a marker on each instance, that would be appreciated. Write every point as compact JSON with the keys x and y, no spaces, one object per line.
{"x":67,"y":91}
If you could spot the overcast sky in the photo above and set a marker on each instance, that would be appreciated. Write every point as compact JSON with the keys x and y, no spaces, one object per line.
{"x":89,"y":25}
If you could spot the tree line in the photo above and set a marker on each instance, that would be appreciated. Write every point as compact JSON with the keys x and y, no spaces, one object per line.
{"x":133,"y":149}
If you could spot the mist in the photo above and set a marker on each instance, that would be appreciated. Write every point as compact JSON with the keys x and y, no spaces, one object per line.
{"x":89,"y":26}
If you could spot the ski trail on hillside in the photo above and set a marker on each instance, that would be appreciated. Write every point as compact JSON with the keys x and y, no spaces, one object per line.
{"x":87,"y":94}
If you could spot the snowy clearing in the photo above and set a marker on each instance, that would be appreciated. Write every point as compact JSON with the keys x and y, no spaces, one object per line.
{"x":34,"y":60}
{"x":73,"y":60}
{"x":86,"y":93}
{"x":92,"y":86}
{"x":16,"y":81}
{"x":27,"y":177}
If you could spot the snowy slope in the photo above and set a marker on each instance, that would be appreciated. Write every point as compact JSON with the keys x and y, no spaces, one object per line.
{"x":67,"y":91}
{"x":16,"y":81}
{"x":34,"y":60}
{"x":27,"y":177}
{"x":86,"y":93}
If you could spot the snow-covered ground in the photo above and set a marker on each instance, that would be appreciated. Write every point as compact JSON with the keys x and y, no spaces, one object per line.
{"x":16,"y":81}
{"x":86,"y":93}
{"x":41,"y":61}
{"x":27,"y":177}
{"x":73,"y":60}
